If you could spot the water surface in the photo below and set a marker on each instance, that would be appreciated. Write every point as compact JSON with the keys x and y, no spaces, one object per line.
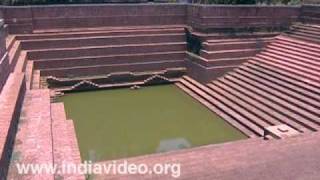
{"x":113,"y":124}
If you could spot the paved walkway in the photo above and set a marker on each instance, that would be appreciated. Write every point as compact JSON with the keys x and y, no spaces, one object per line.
{"x":253,"y":159}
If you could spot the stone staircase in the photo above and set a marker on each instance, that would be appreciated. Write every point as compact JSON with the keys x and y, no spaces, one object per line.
{"x":279,"y":85}
{"x":306,"y":32}
{"x":44,"y":125}
{"x":99,"y":51}
{"x":65,"y":145}
{"x":220,"y":53}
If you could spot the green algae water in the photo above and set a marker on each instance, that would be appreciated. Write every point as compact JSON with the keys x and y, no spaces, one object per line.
{"x":113,"y":124}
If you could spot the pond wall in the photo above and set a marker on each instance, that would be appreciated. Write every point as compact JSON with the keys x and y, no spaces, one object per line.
{"x":25,"y":19}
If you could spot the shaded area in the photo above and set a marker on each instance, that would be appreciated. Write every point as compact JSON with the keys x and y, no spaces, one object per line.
{"x":120,"y":123}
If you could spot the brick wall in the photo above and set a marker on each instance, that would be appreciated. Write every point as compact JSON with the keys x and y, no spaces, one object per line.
{"x":209,"y":17}
{"x":203,"y":17}
{"x":310,"y":14}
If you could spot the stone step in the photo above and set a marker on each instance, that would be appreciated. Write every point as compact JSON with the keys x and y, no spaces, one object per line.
{"x":305,"y":63}
{"x":299,"y":44}
{"x":29,"y":74}
{"x":258,"y":44}
{"x":216,"y":36}
{"x":227,"y":61}
{"x":240,"y":39}
{"x":285,"y":107}
{"x":298,"y":69}
{"x":296,"y":98}
{"x":253,"y":113}
{"x":74,"y":149}
{"x":276,"y":111}
{"x":302,"y":30}
{"x":14,"y":54}
{"x":109,"y":59}
{"x":304,"y":53}
{"x":103,"y":33}
{"x":308,"y":35}
{"x":105,"y":50}
{"x":35,"y":135}
{"x":316,"y":26}
{"x":291,"y":103}
{"x":237,"y":113}
{"x":217,"y":111}
{"x":291,"y":57}
{"x":290,"y":76}
{"x":11,"y":100}
{"x":229,"y":53}
{"x":106,"y":69}
{"x":35,"y":79}
{"x":292,"y":84}
{"x":304,"y":38}
{"x":305,"y":27}
{"x":303,"y":44}
{"x":63,"y":140}
{"x":100,"y":41}
{"x":21,"y":62}
{"x":106,"y":28}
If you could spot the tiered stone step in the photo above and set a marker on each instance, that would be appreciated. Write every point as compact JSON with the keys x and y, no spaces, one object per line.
{"x":11,"y":99}
{"x":65,"y":146}
{"x":33,"y":141}
{"x":236,"y":43}
{"x":101,"y":41}
{"x":215,"y":36}
{"x":270,"y":99}
{"x":222,"y":52}
{"x":101,"y":32}
{"x":238,"y":53}
{"x":306,"y":32}
{"x":107,"y":69}
{"x":278,"y":85}
{"x":223,"y":107}
{"x":109,"y":59}
{"x":105,"y":50}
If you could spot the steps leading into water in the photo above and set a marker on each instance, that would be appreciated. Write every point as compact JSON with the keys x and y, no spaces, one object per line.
{"x":224,"y":105}
{"x":279,"y":85}
{"x":98,"y":51}
{"x":65,"y":146}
